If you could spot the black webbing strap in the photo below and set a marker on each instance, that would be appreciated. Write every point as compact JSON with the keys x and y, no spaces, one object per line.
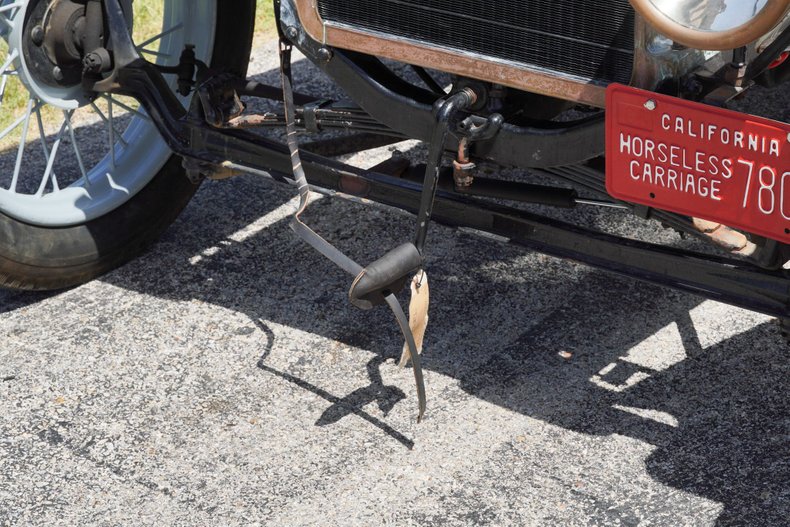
{"x":316,"y":241}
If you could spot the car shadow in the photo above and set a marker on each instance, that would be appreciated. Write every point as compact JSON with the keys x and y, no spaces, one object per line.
{"x":557,"y":342}
{"x":575,"y":362}
{"x":13,"y":300}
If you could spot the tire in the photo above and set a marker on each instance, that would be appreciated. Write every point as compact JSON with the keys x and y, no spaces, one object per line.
{"x":784,"y":329}
{"x":50,"y":257}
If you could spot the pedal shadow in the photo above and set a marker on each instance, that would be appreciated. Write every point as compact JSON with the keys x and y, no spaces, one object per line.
{"x":386,"y":396}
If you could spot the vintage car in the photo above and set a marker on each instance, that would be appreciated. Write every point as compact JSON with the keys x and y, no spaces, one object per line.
{"x":607,"y":104}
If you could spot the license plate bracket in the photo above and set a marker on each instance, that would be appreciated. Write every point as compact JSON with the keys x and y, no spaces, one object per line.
{"x":698,"y":160}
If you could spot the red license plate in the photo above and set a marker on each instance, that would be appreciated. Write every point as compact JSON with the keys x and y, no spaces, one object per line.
{"x":698,"y":160}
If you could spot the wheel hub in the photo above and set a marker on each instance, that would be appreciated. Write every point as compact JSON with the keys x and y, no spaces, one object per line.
{"x":50,"y":37}
{"x":53,"y":41}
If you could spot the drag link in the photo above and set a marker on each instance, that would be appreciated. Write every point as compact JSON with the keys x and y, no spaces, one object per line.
{"x":444,"y":112}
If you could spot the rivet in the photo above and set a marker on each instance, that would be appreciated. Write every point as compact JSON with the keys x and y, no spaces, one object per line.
{"x":650,"y":104}
{"x":325,"y":54}
{"x":292,"y":32}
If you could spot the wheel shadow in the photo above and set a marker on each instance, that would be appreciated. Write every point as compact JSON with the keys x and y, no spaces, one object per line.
{"x":12,"y":300}
{"x":544,"y":338}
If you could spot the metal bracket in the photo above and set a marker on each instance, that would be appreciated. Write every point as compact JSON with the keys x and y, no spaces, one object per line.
{"x":309,"y":115}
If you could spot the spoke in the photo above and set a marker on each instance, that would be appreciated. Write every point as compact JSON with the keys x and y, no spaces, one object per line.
{"x":111,"y":121}
{"x":107,"y":122}
{"x":21,"y":149}
{"x":9,"y":7}
{"x":159,"y":36}
{"x":156,"y":53}
{"x":10,"y":60}
{"x":67,"y":117}
{"x":41,"y":132}
{"x":3,"y":85}
{"x":6,"y":8}
{"x":127,"y":107}
{"x":10,"y":127}
{"x":49,"y":174}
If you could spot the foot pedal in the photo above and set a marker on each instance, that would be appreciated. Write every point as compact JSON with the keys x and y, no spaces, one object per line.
{"x":378,"y":283}
{"x":374,"y":284}
{"x":386,"y":276}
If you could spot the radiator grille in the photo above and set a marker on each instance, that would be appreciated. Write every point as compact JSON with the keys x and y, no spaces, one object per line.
{"x":593,"y":40}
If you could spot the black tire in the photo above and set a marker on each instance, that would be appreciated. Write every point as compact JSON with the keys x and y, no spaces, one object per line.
{"x":784,"y":329}
{"x":41,"y":258}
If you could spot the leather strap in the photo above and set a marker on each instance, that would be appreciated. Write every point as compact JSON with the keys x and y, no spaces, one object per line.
{"x":320,"y":244}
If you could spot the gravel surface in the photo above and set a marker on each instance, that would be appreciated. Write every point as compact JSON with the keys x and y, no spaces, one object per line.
{"x":223,"y":379}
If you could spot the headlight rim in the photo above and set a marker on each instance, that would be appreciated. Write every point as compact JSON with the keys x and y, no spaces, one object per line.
{"x":767,"y":19}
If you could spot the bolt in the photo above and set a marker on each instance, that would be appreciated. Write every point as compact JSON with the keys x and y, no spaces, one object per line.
{"x":325,"y":54}
{"x":57,"y":73}
{"x":37,"y":35}
{"x":95,"y":61}
{"x":291,"y":32}
{"x":650,"y":105}
{"x":90,"y":63}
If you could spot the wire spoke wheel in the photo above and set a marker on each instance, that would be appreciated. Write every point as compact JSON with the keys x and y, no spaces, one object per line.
{"x":68,"y":158}
{"x":86,"y":181}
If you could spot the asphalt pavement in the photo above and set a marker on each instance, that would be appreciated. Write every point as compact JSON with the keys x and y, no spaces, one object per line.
{"x":222,"y":378}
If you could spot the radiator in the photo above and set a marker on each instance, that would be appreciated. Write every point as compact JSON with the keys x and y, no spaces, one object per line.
{"x":589,"y":40}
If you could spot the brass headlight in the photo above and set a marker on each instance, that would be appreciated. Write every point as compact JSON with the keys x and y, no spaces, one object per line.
{"x":713,"y":24}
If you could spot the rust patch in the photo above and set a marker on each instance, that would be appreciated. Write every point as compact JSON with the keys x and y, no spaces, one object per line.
{"x":354,"y":186}
{"x":725,"y":237}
